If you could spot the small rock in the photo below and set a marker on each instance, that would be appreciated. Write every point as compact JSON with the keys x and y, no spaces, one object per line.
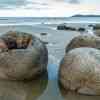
{"x":45,"y":42}
{"x":43,"y":33}
{"x":61,"y":27}
{"x":81,"y":29}
{"x":65,"y":27}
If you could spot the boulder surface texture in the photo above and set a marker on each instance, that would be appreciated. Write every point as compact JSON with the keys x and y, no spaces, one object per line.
{"x":80,"y":67}
{"x":23,"y":58}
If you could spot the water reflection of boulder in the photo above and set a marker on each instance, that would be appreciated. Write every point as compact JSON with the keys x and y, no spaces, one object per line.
{"x":43,"y":33}
{"x":18,"y":90}
{"x":25,"y":58}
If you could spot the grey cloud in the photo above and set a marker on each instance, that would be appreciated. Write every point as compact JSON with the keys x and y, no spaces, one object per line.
{"x":30,"y":4}
{"x":74,"y":1}
{"x":68,"y":1}
{"x":7,"y":4}
{"x":36,"y":5}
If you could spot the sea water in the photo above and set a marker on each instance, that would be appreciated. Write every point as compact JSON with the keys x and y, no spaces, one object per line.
{"x":46,"y":20}
{"x":57,"y":41}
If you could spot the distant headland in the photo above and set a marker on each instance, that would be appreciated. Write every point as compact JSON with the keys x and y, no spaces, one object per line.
{"x":79,"y":15}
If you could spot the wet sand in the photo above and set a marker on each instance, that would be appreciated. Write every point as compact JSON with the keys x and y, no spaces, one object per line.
{"x":17,"y":90}
{"x":56,"y":42}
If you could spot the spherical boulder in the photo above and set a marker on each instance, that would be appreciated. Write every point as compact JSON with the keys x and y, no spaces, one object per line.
{"x":25,"y":58}
{"x":80,"y":71}
{"x":84,"y":41}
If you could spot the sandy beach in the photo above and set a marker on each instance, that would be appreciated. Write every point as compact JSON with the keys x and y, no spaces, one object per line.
{"x":56,"y":41}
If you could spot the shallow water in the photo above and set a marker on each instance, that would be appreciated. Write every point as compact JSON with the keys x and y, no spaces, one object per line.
{"x":13,"y":90}
{"x":46,"y":88}
{"x":46,"y":20}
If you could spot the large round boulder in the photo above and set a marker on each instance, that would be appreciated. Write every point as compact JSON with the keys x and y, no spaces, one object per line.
{"x":80,"y":71}
{"x":84,"y":41}
{"x":24,"y":58}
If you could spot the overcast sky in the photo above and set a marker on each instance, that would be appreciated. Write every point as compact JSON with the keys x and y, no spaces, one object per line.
{"x":49,"y":8}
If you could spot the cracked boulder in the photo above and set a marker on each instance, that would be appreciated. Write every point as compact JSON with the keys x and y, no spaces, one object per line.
{"x":22,"y":56}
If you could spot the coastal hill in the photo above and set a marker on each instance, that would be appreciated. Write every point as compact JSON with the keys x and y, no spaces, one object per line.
{"x":86,"y":15}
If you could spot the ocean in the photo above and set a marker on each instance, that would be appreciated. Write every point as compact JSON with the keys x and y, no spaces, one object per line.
{"x":57,"y":40}
{"x":46,"y":20}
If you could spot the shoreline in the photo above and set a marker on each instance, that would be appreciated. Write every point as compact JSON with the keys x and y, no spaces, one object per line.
{"x":57,"y":41}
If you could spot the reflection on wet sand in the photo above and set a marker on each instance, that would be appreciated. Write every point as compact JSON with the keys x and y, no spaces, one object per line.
{"x":14,"y":90}
{"x":69,"y":95}
{"x":57,"y":41}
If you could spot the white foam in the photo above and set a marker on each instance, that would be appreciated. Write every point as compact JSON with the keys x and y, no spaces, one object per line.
{"x":18,"y":24}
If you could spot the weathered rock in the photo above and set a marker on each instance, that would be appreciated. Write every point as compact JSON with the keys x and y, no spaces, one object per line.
{"x":65,"y":27}
{"x":43,"y":34}
{"x":81,"y":29}
{"x":61,"y":27}
{"x":91,"y":25}
{"x":16,"y":40}
{"x":80,"y":71}
{"x":84,"y":41}
{"x":25,"y":61}
{"x":97,"y":26}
